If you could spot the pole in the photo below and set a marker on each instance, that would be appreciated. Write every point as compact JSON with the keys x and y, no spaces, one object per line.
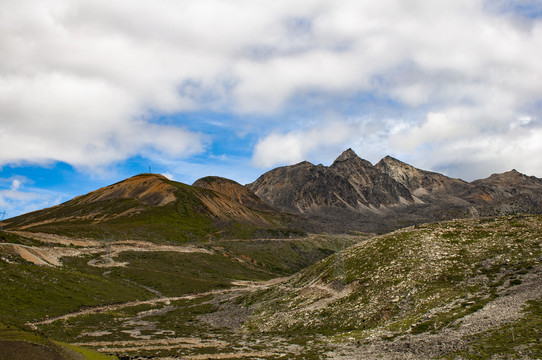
{"x":3,"y":215}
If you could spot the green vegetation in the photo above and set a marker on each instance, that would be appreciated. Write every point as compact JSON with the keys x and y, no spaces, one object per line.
{"x":416,"y":281}
{"x":286,"y":257}
{"x":24,"y":340}
{"x":86,"y":353}
{"x":31,"y":293}
{"x":34,"y":293}
{"x":6,"y":237}
{"x":413,"y":284}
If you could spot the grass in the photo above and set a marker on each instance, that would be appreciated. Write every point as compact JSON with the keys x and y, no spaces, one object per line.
{"x":12,"y":333}
{"x":399,"y":279}
{"x":7,"y":237}
{"x":31,"y":293}
{"x":414,"y":281}
{"x":175,"y":274}
{"x":86,"y":353}
{"x":288,"y":256}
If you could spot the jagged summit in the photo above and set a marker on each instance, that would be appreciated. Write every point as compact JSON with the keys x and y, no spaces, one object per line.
{"x":388,"y":159}
{"x":349,"y":187}
{"x":350,"y":159}
{"x":510,"y":179}
{"x":347,"y":155}
{"x":508,"y":176}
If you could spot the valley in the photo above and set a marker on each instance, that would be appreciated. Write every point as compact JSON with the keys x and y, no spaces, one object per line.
{"x":350,"y":261}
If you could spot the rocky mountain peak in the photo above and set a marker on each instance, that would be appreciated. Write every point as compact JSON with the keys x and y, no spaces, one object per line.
{"x":305,"y":164}
{"x":348,"y":159}
{"x":389,"y":160}
{"x":347,"y":155}
{"x":510,"y":178}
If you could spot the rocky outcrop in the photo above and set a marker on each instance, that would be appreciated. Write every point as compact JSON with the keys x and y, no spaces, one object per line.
{"x":509,"y":192}
{"x":376,"y":188}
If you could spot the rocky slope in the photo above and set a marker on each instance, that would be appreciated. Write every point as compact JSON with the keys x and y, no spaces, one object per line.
{"x":421,"y":183}
{"x":150,"y":206}
{"x":449,"y":289}
{"x":352,"y":194}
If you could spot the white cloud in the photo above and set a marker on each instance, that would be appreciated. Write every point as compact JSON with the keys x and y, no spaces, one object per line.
{"x":296,"y":146}
{"x":82,"y":81}
{"x":438,"y":127}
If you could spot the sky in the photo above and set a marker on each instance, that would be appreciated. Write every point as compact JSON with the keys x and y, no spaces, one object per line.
{"x":95,"y":91}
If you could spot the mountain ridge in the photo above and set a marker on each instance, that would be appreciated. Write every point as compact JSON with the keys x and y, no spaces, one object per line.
{"x":352,"y":193}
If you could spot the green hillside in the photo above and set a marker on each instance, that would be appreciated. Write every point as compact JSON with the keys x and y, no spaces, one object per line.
{"x":468,"y":288}
{"x":105,"y":290}
{"x":151,"y":207}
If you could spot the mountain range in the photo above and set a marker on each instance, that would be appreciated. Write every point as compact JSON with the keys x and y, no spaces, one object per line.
{"x":353,"y":194}
{"x":349,"y":195}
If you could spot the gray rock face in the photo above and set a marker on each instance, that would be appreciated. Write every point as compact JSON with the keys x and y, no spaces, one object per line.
{"x":350,"y":183}
{"x":375,"y":187}
{"x":353,"y":194}
{"x":420,"y":182}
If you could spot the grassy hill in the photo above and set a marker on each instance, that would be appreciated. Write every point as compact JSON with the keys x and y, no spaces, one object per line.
{"x":469,"y":288}
{"x":151,"y":207}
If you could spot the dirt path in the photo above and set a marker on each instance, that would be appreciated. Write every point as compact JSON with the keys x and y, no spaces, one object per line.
{"x":51,"y":255}
{"x":155,"y":344}
{"x":332,"y":294}
{"x":240,"y":286}
{"x":57,"y":239}
{"x":48,"y":256}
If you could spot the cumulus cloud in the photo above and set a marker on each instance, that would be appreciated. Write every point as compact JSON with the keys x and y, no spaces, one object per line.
{"x":85,"y":82}
{"x":299,"y":145}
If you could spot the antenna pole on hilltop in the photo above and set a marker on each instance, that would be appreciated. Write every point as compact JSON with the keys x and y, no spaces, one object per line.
{"x":3,"y":215}
{"x":150,"y":172}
